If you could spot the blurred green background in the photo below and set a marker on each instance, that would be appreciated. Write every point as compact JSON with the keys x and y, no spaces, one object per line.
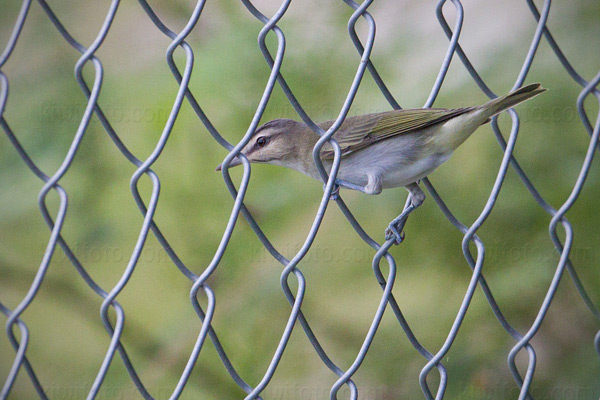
{"x":67,"y":338}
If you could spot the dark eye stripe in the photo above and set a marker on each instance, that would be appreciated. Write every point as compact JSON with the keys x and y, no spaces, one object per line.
{"x":268,"y":139}
{"x":257,"y":146}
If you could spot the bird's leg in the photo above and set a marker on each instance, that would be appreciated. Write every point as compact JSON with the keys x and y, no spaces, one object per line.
{"x":373,"y":186}
{"x":349,"y":185}
{"x":335,"y":193}
{"x":395,"y":228}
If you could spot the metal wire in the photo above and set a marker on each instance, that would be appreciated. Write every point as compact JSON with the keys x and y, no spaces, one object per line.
{"x":291,"y":271}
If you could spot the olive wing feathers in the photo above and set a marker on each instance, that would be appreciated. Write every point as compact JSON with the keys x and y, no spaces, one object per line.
{"x":361,"y":131}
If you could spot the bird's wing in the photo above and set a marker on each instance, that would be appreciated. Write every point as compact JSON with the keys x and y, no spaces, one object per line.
{"x":360,"y":131}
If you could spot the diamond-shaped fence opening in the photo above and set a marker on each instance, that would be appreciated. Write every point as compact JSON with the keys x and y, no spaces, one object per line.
{"x":181,"y":261}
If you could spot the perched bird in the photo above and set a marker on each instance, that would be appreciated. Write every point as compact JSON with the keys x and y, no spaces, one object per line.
{"x":382,"y":150}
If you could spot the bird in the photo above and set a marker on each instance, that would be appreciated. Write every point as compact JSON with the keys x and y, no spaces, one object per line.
{"x":382,"y":150}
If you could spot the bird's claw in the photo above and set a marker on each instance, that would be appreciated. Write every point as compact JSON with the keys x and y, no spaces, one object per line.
{"x":335,"y":192}
{"x":392,"y":232}
{"x":396,"y":228}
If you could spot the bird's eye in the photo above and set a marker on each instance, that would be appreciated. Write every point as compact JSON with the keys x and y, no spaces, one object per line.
{"x":261,"y":141}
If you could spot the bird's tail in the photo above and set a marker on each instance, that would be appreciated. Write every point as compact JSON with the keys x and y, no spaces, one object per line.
{"x":511,"y":99}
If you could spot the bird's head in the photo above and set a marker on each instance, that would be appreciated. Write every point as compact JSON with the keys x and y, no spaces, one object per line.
{"x":280,"y":142}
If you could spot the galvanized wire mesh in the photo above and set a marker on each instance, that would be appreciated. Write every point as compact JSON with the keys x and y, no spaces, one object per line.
{"x":291,"y":276}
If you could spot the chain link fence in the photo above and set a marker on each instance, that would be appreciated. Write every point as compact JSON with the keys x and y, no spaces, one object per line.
{"x":89,"y":73}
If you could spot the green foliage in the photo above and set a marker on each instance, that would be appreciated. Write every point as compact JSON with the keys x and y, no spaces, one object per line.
{"x":67,"y":338}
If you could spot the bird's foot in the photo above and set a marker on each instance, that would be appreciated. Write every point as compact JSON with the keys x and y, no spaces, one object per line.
{"x":335,"y":192}
{"x":392,"y":232}
{"x":396,"y":227}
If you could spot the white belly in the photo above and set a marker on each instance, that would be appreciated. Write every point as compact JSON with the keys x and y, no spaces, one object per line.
{"x":398,"y":161}
{"x":405,"y":175}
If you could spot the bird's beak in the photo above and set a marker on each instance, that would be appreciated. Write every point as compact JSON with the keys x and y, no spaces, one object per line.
{"x":235,"y":161}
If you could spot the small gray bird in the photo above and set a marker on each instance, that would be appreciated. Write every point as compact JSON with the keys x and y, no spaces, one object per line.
{"x":382,"y":150}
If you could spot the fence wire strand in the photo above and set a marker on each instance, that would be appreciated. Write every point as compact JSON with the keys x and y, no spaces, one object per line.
{"x":291,"y":275}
